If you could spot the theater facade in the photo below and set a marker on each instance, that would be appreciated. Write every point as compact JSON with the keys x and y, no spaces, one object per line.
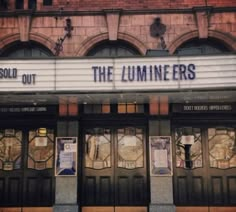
{"x":105,"y":109}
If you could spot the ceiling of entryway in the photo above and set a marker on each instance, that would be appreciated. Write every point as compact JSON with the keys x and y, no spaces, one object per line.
{"x":43,"y":98}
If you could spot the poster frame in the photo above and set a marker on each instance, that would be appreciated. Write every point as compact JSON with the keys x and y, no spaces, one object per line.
{"x":58,"y":153}
{"x":163,"y":144}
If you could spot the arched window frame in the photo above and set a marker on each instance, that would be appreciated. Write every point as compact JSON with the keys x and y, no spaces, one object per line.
{"x":197,"y":46}
{"x":29,"y":49}
{"x":114,"y":49}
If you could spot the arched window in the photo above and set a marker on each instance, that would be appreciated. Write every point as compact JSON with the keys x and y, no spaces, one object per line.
{"x":113,"y":49}
{"x":201,"y":46}
{"x":25,"y":49}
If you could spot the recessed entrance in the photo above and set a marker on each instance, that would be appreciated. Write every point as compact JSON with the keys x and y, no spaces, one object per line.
{"x":114,"y":169}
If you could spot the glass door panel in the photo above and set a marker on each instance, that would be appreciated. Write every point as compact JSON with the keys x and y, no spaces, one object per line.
{"x":222,"y":165}
{"x":10,"y":149}
{"x":188,"y":148}
{"x":130,"y":148}
{"x":98,"y":148}
{"x":40,"y":149}
{"x":222,"y":146}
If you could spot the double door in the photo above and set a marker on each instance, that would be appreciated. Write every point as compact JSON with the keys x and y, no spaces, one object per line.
{"x":205,"y":165}
{"x":26,"y":166}
{"x":114,"y":168}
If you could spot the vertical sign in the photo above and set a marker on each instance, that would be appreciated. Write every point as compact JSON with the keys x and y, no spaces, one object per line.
{"x":66,"y":156}
{"x":160,"y":155}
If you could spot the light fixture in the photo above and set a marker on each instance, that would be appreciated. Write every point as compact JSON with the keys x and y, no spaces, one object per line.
{"x":59,"y":44}
{"x":42,"y":131}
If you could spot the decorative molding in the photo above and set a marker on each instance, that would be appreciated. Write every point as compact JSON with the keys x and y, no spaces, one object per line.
{"x":202,"y":16}
{"x":24,"y":25}
{"x":202,"y":24}
{"x":113,"y":21}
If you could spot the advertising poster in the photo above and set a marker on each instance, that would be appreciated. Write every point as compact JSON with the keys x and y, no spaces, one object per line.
{"x":160,"y":155}
{"x":66,"y":156}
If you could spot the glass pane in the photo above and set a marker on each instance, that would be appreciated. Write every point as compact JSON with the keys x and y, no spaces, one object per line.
{"x":47,"y":2}
{"x":19,"y":4}
{"x":130,"y":148}
{"x":139,"y":108}
{"x":131,"y":108}
{"x":121,"y":108}
{"x":222,"y":146}
{"x":96,"y":108}
{"x":10,"y":149}
{"x":40,"y":150}
{"x":191,"y":143}
{"x":32,"y":4}
{"x":106,"y":108}
{"x":98,"y":148}
{"x":113,"y":49}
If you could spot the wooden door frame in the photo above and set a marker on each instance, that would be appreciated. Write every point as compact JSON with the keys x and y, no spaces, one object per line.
{"x":25,"y":126}
{"x":114,"y":123}
{"x":204,"y":124}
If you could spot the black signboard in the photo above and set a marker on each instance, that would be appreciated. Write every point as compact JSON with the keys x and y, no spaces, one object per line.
{"x":28,"y":110}
{"x":204,"y":108}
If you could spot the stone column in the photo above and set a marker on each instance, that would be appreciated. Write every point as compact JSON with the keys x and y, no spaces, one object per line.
{"x":66,"y":187}
{"x":161,"y":188}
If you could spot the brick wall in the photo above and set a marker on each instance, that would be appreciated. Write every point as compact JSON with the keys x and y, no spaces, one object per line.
{"x":136,"y":26}
{"x":141,"y":4}
{"x":98,"y":5}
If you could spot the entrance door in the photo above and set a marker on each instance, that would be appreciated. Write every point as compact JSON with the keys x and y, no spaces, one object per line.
{"x":26,"y":167}
{"x":205,"y":166}
{"x":190,"y":176}
{"x":115,"y":172}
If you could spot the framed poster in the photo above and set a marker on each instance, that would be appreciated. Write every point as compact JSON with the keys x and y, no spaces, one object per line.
{"x":160,"y":156}
{"x":66,"y":156}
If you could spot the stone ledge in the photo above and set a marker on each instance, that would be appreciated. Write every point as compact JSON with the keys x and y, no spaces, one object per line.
{"x":65,"y":208}
{"x":161,"y":208}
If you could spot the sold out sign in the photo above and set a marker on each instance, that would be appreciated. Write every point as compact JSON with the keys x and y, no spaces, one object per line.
{"x":28,"y":79}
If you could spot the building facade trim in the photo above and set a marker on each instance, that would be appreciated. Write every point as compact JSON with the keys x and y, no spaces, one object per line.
{"x":56,"y":13}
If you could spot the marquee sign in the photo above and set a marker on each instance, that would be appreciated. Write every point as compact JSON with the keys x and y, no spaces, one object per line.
{"x":118,"y":74}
